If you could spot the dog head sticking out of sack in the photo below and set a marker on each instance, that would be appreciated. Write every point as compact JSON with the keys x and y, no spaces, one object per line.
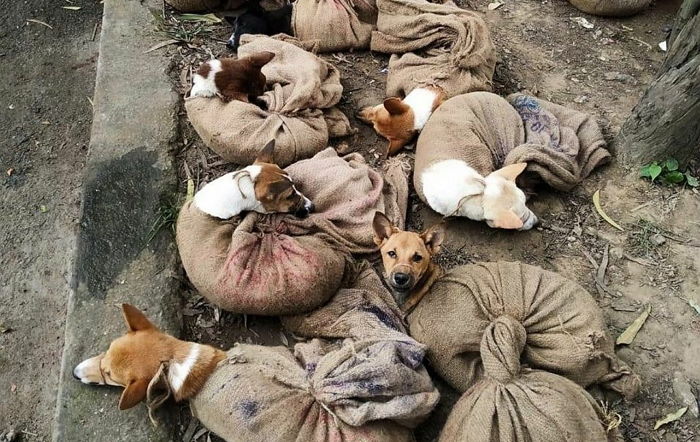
{"x":262,"y":187}
{"x":232,"y":79}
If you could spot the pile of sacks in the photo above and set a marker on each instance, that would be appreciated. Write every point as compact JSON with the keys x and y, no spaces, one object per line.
{"x":361,"y":377}
{"x":532,"y":341}
{"x":279,"y":264}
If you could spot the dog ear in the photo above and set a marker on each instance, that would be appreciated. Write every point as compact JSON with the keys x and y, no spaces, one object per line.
{"x":511,"y":171}
{"x":267,"y":153}
{"x":433,"y":238}
{"x":383,"y":228}
{"x":260,"y":59}
{"x":395,"y":106}
{"x":507,"y":219}
{"x":134,"y":393}
{"x":135,"y":320}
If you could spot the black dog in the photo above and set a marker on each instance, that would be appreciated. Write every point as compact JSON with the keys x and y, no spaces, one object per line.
{"x":257,"y":20}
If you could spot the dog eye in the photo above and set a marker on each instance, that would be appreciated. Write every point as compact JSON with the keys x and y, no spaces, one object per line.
{"x":417,"y":258}
{"x":391,"y":254}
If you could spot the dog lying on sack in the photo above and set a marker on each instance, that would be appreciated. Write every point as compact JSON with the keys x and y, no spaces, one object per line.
{"x":281,"y":264}
{"x":475,"y":145}
{"x":565,"y":329}
{"x":297,"y":109}
{"x":372,"y":388}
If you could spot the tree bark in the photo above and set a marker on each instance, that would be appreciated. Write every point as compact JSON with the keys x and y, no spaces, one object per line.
{"x":666,"y":121}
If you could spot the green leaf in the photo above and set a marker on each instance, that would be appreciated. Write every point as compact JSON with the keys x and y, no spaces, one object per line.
{"x":644,"y":171}
{"x":691,"y":180}
{"x":654,"y":171}
{"x":670,"y":418}
{"x":674,"y":177}
{"x":671,"y":164}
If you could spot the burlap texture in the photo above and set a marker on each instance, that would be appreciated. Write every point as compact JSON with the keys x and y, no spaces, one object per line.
{"x":433,"y":44}
{"x":302,"y":91}
{"x":334,"y":25}
{"x":516,"y":404}
{"x":562,"y":146}
{"x":566,"y":333}
{"x":611,"y":8}
{"x":279,"y":264}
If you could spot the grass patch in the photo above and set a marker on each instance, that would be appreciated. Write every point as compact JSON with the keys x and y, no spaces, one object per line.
{"x":166,"y":215}
{"x":640,"y":240}
{"x":185,"y":31}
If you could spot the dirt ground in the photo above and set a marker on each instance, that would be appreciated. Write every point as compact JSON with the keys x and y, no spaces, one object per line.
{"x":653,"y":262}
{"x":48,"y":74}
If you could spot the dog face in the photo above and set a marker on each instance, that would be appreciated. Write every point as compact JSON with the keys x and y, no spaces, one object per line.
{"x":406,"y":255}
{"x":393,"y":119}
{"x":275,"y":189}
{"x":504,"y":203}
{"x":131,"y":361}
{"x":257,"y":20}
{"x":232,"y":79}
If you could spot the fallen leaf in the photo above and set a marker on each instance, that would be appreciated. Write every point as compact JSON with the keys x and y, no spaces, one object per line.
{"x":10,"y":171}
{"x":190,"y":189}
{"x":43,"y":23}
{"x":582,"y":22}
{"x":43,"y":209}
{"x":630,"y":332}
{"x":670,"y":418}
{"x":601,"y":212}
{"x":284,"y":339}
{"x":695,"y":305}
{"x":494,"y":5}
{"x":160,"y":45}
{"x":72,"y":8}
{"x":5,"y":329}
{"x":208,"y":18}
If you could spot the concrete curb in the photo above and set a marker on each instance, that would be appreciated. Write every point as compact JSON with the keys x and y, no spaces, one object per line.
{"x":129,"y":173}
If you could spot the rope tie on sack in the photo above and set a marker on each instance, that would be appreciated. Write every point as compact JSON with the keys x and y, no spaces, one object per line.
{"x":501,"y":345}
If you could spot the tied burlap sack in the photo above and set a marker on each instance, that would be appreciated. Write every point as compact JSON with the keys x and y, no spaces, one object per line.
{"x":561,"y":146}
{"x":433,"y":44}
{"x":205,"y":5}
{"x":611,"y":8}
{"x":279,"y":264}
{"x":566,"y":332}
{"x":516,"y":404}
{"x":334,"y":25}
{"x":299,"y":110}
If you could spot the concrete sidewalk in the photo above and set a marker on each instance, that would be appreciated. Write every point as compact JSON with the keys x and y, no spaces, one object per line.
{"x":129,"y":173}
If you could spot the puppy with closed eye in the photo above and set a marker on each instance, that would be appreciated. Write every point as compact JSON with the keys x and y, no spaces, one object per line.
{"x":232,"y":79}
{"x":262,"y":187}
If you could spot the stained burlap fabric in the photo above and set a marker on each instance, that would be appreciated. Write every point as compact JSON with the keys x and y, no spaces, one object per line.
{"x":611,"y":8}
{"x":566,"y":333}
{"x":299,"y":110}
{"x":279,"y":264}
{"x":562,"y":146}
{"x":205,"y":5}
{"x":334,"y":25}
{"x":516,"y":404}
{"x":433,"y":44}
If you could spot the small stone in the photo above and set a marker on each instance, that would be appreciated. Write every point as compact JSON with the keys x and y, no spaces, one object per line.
{"x":571,"y":238}
{"x":581,"y":99}
{"x":684,"y":393}
{"x":657,"y":239}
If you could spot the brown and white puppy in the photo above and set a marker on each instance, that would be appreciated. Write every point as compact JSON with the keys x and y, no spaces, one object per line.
{"x":232,"y":79}
{"x":400,"y":120}
{"x":133,"y":361}
{"x":262,"y":187}
{"x":407,"y":259}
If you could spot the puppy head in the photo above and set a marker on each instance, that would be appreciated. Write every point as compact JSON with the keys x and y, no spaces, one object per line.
{"x":275,"y":189}
{"x":406,"y":255}
{"x":504,"y":203}
{"x":131,"y":361}
{"x":393,"y":119}
{"x":250,"y":22}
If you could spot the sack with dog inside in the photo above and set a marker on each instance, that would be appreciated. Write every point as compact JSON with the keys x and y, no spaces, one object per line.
{"x":334,"y":25}
{"x":565,"y":328}
{"x":280,"y":264}
{"x":434,"y":45}
{"x":297,"y":110}
{"x":513,"y":403}
{"x":364,"y":380}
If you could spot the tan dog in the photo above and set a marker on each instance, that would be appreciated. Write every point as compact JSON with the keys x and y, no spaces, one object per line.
{"x":133,"y":361}
{"x":262,"y":187}
{"x":232,"y":79}
{"x":400,"y":120}
{"x":407,"y":258}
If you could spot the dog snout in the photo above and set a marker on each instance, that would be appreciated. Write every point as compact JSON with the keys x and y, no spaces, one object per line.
{"x":232,"y":42}
{"x":401,"y":280}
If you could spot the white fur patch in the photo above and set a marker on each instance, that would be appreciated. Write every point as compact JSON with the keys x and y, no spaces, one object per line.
{"x":179,"y":370}
{"x":447,"y":183}
{"x":205,"y":86}
{"x":231,"y":194}
{"x":421,"y":101}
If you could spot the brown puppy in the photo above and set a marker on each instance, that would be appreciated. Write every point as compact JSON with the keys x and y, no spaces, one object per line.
{"x":408,"y":267}
{"x":232,"y":79}
{"x":400,"y":120}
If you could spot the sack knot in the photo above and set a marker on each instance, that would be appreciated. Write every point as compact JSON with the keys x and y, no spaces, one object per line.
{"x":503,"y":341}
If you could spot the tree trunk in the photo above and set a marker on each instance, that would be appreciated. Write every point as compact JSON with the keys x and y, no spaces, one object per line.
{"x":666,"y":121}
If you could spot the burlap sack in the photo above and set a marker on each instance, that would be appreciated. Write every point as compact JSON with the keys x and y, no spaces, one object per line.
{"x":517,"y":404}
{"x":433,"y":44}
{"x":302,"y":93}
{"x":561,"y":146}
{"x":334,"y":25}
{"x":566,"y":333}
{"x":280,"y":264}
{"x":611,"y":8}
{"x":205,"y":5}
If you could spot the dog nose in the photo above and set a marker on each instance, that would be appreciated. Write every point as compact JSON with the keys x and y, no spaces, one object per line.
{"x":302,"y":212}
{"x":231,"y":44}
{"x":401,"y":279}
{"x":311,"y":207}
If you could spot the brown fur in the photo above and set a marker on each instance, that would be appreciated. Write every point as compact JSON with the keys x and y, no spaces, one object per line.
{"x":240,"y":79}
{"x":394,"y":120}
{"x":408,"y":253}
{"x":273,"y":187}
